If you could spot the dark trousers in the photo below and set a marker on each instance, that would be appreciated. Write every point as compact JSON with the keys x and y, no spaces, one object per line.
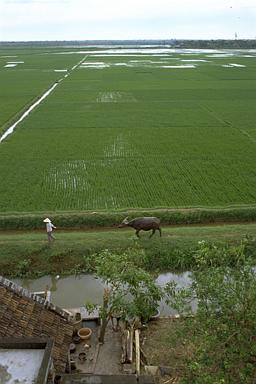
{"x":50,"y":236}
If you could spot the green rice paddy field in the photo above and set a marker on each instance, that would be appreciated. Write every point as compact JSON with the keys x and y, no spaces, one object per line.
{"x":144,"y":128}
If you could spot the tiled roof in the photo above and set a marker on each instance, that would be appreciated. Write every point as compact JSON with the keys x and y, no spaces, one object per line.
{"x":23,"y":314}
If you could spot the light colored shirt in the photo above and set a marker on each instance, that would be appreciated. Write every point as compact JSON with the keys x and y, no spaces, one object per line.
{"x":49,"y":227}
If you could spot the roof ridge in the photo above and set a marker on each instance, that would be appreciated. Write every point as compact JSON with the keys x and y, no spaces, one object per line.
{"x":23,"y":292}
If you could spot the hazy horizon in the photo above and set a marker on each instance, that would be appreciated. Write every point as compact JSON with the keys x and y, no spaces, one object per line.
{"x":69,"y":20}
{"x":116,"y":40}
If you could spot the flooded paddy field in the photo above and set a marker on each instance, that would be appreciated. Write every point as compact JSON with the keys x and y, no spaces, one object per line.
{"x":127,"y":128}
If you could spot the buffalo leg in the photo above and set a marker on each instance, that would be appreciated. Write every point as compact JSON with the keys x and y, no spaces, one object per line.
{"x":137,"y":232}
{"x":153,"y":231}
{"x":160,"y":232}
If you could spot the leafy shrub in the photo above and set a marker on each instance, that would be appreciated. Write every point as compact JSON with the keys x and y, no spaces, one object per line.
{"x":224,"y":326}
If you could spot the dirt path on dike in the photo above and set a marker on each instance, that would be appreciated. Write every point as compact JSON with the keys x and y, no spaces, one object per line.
{"x":114,"y":228}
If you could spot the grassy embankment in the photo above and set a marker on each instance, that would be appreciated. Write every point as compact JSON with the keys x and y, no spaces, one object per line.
{"x":28,"y":253}
{"x":81,"y":220}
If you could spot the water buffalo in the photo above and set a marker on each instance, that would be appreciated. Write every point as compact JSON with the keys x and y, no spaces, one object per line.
{"x":142,"y":223}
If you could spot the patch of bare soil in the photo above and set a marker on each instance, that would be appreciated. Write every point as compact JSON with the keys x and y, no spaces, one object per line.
{"x":164,"y":346}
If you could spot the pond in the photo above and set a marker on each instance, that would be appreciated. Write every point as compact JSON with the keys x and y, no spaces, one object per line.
{"x":75,"y":290}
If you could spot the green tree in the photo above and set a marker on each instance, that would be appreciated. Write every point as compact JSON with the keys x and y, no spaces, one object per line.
{"x":131,"y":293}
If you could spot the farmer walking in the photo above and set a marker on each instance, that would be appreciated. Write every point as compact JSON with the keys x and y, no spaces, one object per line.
{"x":49,"y":228}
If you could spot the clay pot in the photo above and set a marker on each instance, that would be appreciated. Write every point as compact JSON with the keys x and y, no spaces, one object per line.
{"x":72,"y":348}
{"x":84,"y":333}
{"x":76,"y":339}
{"x":82,"y":356}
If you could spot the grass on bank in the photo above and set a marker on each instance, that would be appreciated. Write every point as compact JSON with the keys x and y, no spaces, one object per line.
{"x":89,"y":219}
{"x":29,"y":254}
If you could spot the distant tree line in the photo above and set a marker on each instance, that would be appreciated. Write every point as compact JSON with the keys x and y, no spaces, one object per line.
{"x":173,"y":43}
{"x":215,"y":44}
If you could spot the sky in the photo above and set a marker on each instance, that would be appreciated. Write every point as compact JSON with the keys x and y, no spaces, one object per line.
{"x":31,"y":20}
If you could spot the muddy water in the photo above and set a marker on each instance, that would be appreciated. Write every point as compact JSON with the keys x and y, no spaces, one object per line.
{"x":183,"y":280}
{"x":74,"y":291}
{"x":70,"y":291}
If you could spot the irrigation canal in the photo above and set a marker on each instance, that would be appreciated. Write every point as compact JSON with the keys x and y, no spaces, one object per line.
{"x":77,"y":290}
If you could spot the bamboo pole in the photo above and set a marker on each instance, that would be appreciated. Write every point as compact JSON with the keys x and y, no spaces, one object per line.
{"x":137,"y":350}
{"x":130,"y":346}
